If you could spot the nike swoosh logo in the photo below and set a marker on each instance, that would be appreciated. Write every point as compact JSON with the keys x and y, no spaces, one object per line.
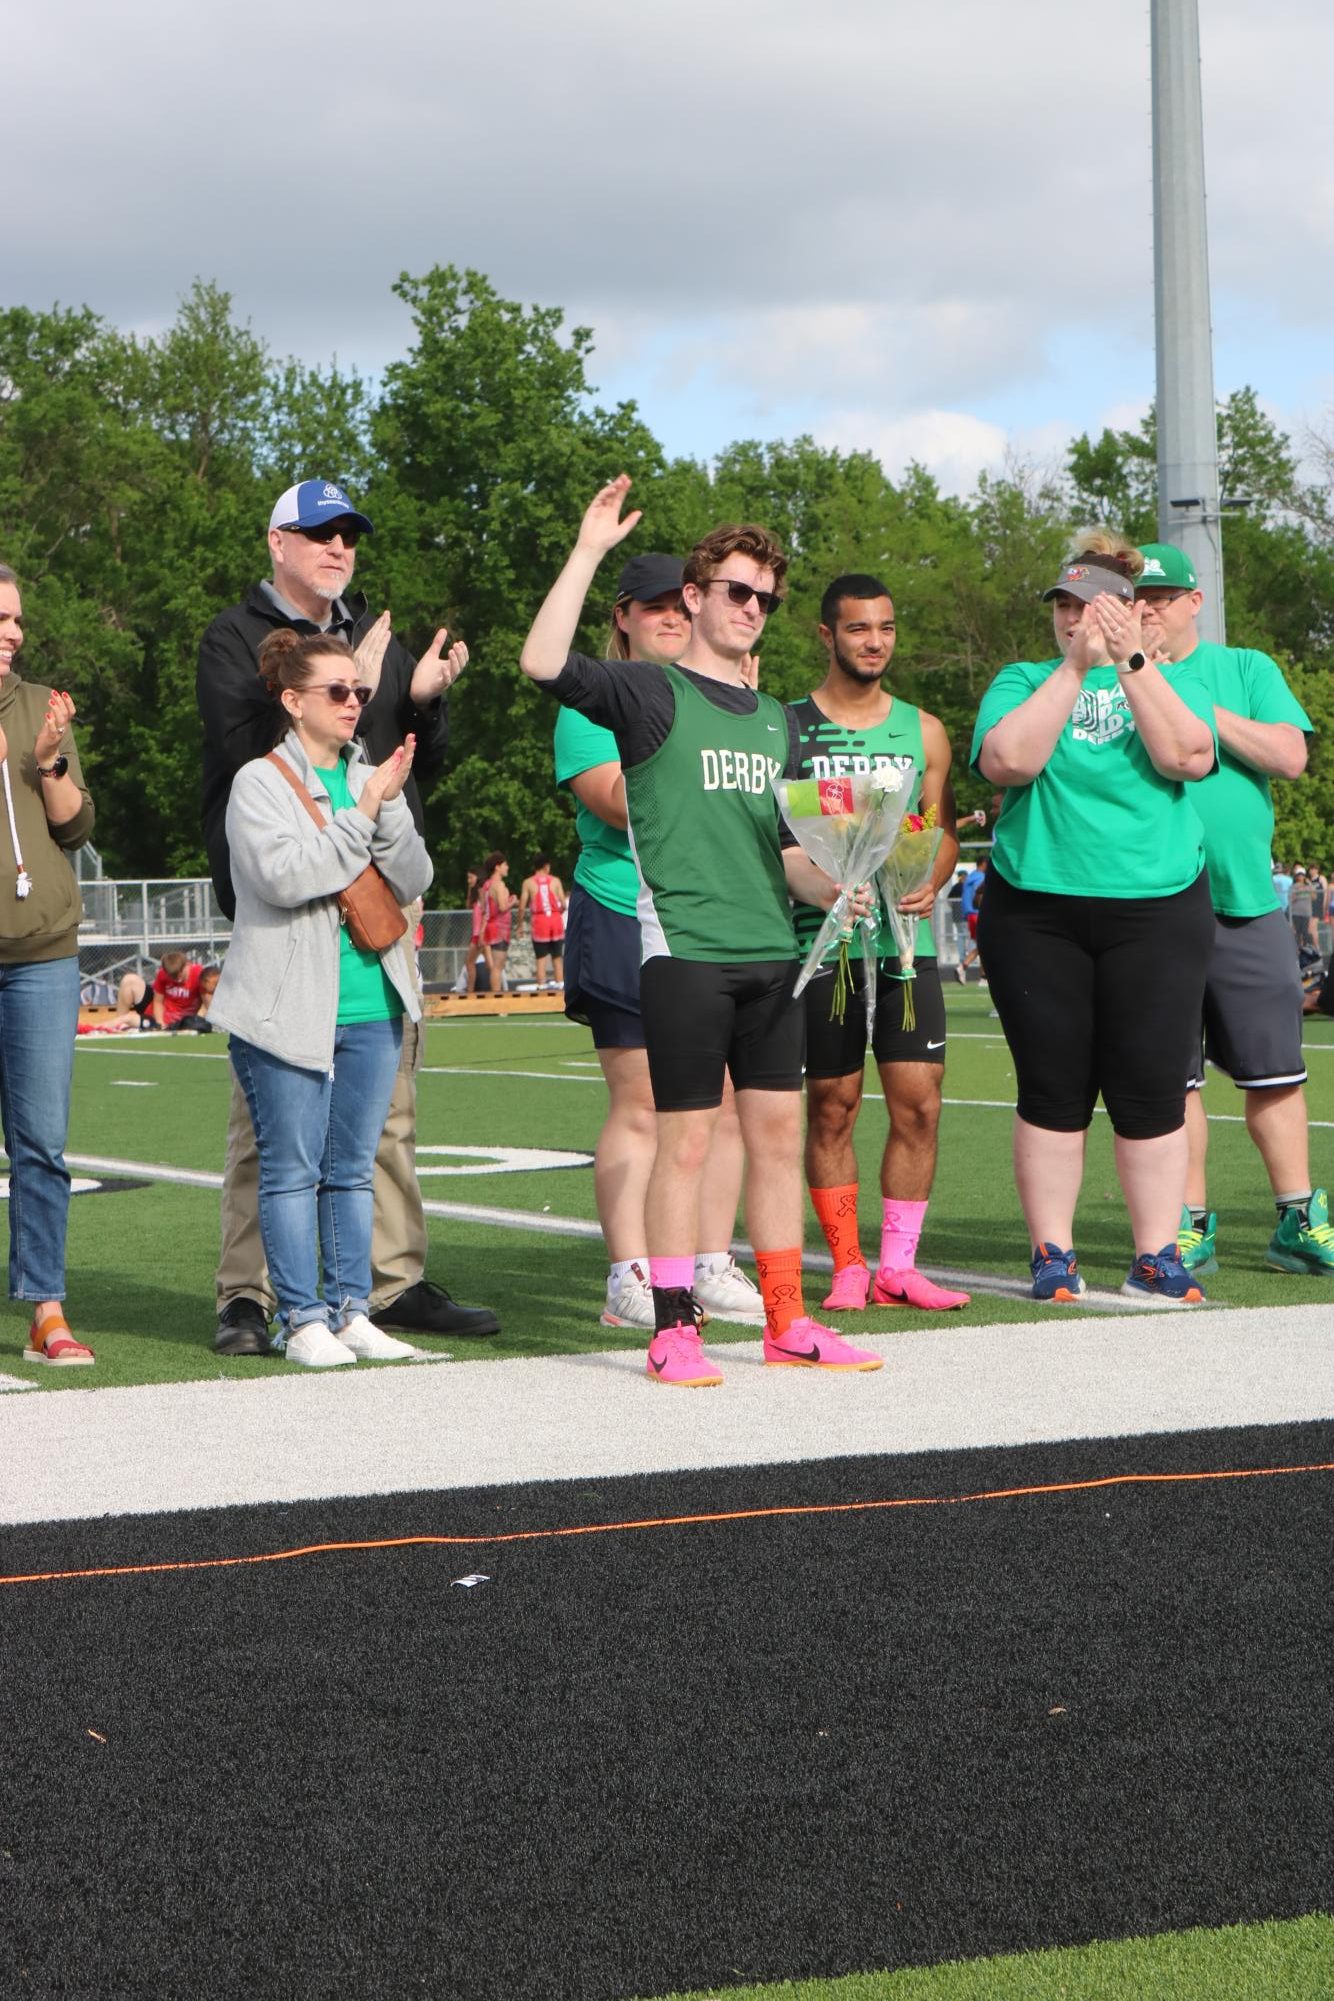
{"x":659,"y":1366}
{"x":810,"y":1355}
{"x":772,"y":728}
{"x":935,"y":1045}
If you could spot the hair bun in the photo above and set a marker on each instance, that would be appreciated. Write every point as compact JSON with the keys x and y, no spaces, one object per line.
{"x":272,"y":652}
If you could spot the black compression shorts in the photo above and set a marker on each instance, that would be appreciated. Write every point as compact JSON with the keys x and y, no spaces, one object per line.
{"x":838,"y":1048}
{"x":702,"y":1019}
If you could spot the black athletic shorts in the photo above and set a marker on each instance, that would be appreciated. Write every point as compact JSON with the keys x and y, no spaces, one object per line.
{"x":1253,"y":1004}
{"x":602,"y":971}
{"x":838,"y":1048}
{"x":701,"y":1020}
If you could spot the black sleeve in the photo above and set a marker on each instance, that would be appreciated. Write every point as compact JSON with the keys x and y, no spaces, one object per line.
{"x":631,"y":698}
{"x":391,"y":714}
{"x":786,"y":837}
{"x":235,"y":707}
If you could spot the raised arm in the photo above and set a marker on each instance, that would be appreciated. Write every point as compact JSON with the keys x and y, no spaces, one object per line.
{"x":548,"y":644}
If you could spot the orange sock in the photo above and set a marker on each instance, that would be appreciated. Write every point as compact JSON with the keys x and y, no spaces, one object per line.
{"x":779,"y":1273}
{"x":837,"y":1211}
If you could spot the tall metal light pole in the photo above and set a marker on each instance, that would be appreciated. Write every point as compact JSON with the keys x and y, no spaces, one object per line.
{"x":1189,"y":510}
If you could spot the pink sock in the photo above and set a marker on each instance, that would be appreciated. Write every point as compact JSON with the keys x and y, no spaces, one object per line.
{"x":669,"y":1274}
{"x":899,"y":1234}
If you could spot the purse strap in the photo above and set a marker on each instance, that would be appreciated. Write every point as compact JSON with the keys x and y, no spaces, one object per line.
{"x":297,"y":787}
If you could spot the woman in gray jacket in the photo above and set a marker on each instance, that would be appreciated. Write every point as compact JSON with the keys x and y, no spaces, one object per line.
{"x":316,"y":1023}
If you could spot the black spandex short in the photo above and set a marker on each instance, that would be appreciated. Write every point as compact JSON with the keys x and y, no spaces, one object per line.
{"x":602,"y":972}
{"x":1099,"y":994}
{"x":838,"y":1048}
{"x":701,"y":1020}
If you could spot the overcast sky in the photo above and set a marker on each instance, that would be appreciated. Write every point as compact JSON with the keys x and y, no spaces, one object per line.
{"x":925,"y":230}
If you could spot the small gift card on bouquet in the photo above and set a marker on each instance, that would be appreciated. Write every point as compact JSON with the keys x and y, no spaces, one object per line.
{"x":907,"y":867}
{"x":847,"y":826}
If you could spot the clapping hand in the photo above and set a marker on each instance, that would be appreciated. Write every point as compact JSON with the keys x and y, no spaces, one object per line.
{"x":371,"y":650}
{"x":388,"y":779}
{"x":1119,"y":624}
{"x":437,"y":671}
{"x":60,"y":713}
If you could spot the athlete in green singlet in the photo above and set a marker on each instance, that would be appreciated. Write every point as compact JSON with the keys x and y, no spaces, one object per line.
{"x":849,"y":725}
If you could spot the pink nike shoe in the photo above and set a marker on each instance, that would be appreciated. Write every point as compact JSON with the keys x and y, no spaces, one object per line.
{"x":808,"y":1345}
{"x":676,"y":1355}
{"x":913,"y":1288}
{"x":848,"y":1292}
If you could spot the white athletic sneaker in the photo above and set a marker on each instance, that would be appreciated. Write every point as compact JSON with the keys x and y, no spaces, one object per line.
{"x":314,"y":1347}
{"x":632,"y":1305}
{"x":724,"y":1291}
{"x":370,"y":1344}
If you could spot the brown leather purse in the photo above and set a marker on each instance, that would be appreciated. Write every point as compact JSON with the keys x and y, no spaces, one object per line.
{"x":370,"y":910}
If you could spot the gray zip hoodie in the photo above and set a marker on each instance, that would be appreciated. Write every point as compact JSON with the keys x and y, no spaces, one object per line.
{"x":279,"y":985}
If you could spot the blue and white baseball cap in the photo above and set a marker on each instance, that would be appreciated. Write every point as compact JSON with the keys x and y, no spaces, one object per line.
{"x":312,"y":504}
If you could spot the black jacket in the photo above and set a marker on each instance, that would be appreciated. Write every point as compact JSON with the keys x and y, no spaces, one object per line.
{"x":239,"y":720}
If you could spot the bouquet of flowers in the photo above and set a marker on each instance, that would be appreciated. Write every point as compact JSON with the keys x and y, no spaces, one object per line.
{"x":907,"y":867}
{"x":847,"y":826}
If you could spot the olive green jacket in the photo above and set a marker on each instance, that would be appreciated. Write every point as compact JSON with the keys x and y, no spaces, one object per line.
{"x":45,"y":923}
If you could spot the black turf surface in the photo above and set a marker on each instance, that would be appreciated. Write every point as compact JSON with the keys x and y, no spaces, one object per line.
{"x":678,"y":1757}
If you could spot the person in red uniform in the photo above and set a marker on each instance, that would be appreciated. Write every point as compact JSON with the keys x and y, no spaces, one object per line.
{"x":542,"y":901}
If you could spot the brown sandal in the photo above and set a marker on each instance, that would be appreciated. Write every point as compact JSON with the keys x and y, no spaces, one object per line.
{"x":50,"y":1340}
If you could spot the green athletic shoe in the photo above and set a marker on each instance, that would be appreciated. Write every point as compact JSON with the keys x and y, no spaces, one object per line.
{"x":1196,"y":1248}
{"x":1304,"y":1248}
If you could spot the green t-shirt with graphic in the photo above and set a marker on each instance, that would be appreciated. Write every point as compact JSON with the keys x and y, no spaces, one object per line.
{"x":365,"y":990}
{"x":606,"y":867}
{"x":1234,"y":803}
{"x":1098,"y":820}
{"x":704,"y":830}
{"x":831,"y":750}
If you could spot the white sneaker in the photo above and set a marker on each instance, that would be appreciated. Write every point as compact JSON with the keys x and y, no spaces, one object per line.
{"x":724,"y":1291}
{"x":370,"y":1344}
{"x":632,"y":1305}
{"x":314,"y":1347}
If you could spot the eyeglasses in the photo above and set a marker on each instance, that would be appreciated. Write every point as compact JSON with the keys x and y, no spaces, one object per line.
{"x":347,"y":531}
{"x":1161,"y":597}
{"x":339,"y":692}
{"x":739,"y":594}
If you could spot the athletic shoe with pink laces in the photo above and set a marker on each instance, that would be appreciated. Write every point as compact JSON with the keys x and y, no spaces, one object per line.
{"x":848,"y":1292}
{"x":808,"y":1345}
{"x":676,"y":1355}
{"x":913,"y":1288}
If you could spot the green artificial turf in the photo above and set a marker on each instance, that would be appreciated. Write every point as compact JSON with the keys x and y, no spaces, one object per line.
{"x":141,"y":1259}
{"x":1291,"y":1961}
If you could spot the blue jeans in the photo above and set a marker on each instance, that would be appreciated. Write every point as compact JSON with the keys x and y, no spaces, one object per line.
{"x":316,"y":1133}
{"x":39,"y":1018}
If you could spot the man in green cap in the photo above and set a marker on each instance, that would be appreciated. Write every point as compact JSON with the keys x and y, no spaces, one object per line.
{"x":1253,"y":997}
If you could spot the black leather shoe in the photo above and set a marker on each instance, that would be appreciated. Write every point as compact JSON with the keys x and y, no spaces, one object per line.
{"x":243,"y":1329}
{"x":428,"y":1309}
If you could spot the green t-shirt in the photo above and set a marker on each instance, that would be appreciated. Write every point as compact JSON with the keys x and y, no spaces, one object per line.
{"x":829,"y":750}
{"x":1234,"y":802}
{"x":605,"y":867}
{"x":704,"y":829}
{"x":365,"y":991}
{"x":1098,"y":820}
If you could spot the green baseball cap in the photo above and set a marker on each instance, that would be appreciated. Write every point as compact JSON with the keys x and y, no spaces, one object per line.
{"x":1166,"y":566}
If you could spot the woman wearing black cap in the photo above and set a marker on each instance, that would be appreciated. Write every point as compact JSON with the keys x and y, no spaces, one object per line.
{"x":1097,"y":925}
{"x":602,"y":957}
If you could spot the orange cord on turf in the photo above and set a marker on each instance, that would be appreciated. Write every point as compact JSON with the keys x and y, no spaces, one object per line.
{"x":665,"y":1522}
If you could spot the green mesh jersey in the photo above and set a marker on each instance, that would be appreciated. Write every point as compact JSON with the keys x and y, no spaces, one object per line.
{"x":703,"y":825}
{"x":829,"y":750}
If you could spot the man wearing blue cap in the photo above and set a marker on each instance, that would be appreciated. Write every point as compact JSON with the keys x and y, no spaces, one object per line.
{"x":1253,"y":997}
{"x":313,"y":534}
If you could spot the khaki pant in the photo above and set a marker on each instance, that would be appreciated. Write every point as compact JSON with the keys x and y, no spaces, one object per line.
{"x":398,"y":1226}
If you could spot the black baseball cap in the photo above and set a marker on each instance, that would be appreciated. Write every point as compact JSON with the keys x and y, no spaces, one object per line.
{"x":647,"y":577}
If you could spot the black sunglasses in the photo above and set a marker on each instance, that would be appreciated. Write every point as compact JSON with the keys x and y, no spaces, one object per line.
{"x":739,"y":594}
{"x":338,"y":692}
{"x":347,"y":530}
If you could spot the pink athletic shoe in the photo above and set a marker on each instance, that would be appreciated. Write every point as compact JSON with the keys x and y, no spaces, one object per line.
{"x":913,"y":1288}
{"x":848,"y":1292}
{"x":676,"y":1355}
{"x":808,"y":1345}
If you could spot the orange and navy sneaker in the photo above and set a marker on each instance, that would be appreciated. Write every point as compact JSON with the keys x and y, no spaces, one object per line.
{"x":676,"y":1356}
{"x":808,"y":1345}
{"x":1161,"y":1276}
{"x":1056,"y":1279}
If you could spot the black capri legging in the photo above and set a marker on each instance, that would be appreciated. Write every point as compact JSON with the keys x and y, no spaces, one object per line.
{"x":1099,"y":994}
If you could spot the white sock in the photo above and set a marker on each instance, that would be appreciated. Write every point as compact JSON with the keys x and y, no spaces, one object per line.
{"x":625,"y":1269}
{"x":711,"y":1261}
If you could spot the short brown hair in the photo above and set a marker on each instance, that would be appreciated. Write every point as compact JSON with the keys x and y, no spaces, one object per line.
{"x":174,"y":964}
{"x":736,"y":539}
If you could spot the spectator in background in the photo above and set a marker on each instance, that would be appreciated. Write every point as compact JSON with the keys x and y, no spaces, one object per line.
{"x":546,"y":895}
{"x":970,"y":905}
{"x":1319,"y":895}
{"x":473,"y":904}
{"x":46,"y":814}
{"x":497,"y":918}
{"x":1282,"y":885}
{"x":1301,"y":907}
{"x":313,"y":535}
{"x":175,"y":989}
